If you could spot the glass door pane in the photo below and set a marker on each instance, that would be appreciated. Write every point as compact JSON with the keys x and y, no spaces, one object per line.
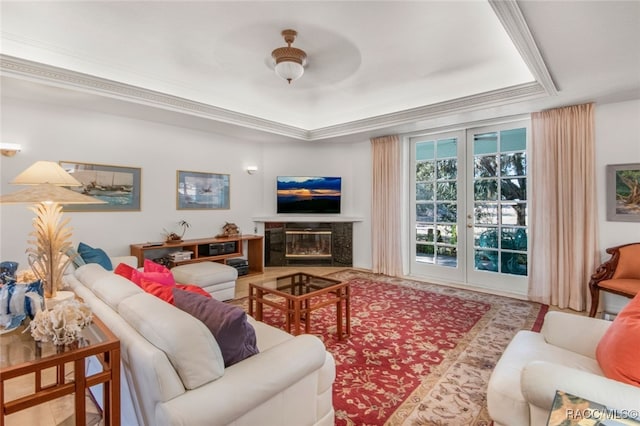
{"x":436,"y":199}
{"x":498,"y":204}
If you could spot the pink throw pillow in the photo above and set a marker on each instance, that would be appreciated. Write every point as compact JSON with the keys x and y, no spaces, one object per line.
{"x":153,"y":272}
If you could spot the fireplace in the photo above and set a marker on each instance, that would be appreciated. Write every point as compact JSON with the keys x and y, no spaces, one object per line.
{"x":304,"y":243}
{"x":307,"y":244}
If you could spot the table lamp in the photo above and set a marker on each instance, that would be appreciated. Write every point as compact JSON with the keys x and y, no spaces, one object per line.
{"x":51,"y":235}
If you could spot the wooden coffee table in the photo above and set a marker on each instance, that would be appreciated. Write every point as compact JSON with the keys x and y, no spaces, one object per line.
{"x":299,"y":295}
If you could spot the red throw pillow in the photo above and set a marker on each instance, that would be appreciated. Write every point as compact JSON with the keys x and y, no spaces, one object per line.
{"x":124,"y":270}
{"x":153,"y":272}
{"x":617,"y":351}
{"x":165,"y":292}
{"x":194,"y":289}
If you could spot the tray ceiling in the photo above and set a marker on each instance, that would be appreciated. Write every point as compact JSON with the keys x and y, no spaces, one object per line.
{"x":370,"y":64}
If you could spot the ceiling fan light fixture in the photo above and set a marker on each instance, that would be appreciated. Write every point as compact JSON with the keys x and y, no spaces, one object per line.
{"x":289,"y":61}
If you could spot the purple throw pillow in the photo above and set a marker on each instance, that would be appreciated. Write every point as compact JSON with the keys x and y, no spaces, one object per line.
{"x":228,"y":324}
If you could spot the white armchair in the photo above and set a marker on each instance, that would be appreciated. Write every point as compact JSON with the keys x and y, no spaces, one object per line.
{"x":561,"y":357}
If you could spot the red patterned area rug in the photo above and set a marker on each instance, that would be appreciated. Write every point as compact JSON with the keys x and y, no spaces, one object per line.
{"x":418,"y":354}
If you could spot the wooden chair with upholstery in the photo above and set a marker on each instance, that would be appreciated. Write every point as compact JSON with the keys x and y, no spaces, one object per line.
{"x":618,"y":275}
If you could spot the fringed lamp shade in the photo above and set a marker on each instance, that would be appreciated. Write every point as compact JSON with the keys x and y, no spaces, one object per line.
{"x":47,"y":192}
{"x":45,"y":172}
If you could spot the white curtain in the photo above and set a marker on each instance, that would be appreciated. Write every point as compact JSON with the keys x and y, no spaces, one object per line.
{"x":564,"y":247}
{"x":385,"y":216}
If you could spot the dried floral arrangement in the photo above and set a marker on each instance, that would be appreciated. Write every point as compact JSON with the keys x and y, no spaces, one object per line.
{"x":62,"y":324}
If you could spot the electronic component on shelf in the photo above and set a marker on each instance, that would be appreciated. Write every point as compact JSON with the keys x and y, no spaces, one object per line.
{"x":179,"y":256}
{"x":222,"y":248}
{"x":241,"y":265}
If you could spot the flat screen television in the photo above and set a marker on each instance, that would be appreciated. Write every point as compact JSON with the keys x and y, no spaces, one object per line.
{"x":309,"y":194}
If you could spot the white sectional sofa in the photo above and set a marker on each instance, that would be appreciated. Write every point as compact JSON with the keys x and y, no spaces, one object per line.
{"x":175,"y":375}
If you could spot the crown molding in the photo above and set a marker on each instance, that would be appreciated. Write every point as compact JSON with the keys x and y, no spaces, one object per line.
{"x":514,"y":23}
{"x":484,"y":100}
{"x":61,"y":77}
{"x":64,"y":78}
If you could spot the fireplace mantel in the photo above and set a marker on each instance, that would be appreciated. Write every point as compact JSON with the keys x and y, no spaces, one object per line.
{"x":308,"y":218}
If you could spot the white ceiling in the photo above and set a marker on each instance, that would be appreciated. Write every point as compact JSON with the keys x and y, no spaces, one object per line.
{"x":372,"y":66}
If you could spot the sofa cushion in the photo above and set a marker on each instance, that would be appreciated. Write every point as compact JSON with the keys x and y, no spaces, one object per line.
{"x":90,"y":273}
{"x":113,"y":289}
{"x":625,"y":285}
{"x":94,"y":255}
{"x":204,"y":274}
{"x":617,"y":351}
{"x":188,"y":344}
{"x":228,"y":324}
{"x":269,"y":336}
{"x":628,"y":265}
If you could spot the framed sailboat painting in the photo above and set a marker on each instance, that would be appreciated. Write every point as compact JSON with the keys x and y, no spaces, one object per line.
{"x":118,"y":186}
{"x":202,"y":191}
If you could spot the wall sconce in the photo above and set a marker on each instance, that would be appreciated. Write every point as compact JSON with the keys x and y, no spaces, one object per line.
{"x":9,"y":149}
{"x":252,"y":169}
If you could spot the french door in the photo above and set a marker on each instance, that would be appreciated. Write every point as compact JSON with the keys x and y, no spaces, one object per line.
{"x":469,"y":212}
{"x":437,"y":191}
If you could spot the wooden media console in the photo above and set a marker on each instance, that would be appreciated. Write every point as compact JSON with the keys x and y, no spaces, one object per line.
{"x":207,"y":250}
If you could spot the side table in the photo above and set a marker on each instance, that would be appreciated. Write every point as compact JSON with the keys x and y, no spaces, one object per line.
{"x":20,"y":355}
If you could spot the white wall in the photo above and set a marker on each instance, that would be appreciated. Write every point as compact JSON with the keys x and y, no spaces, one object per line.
{"x":351,"y":161}
{"x":617,"y":142}
{"x":56,"y":133}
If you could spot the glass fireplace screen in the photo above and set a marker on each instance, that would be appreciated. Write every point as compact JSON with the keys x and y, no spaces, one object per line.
{"x":308,"y":244}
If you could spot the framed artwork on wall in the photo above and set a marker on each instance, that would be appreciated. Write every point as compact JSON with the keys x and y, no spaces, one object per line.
{"x":623,"y":192}
{"x":119,"y":186}
{"x":202,"y":191}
